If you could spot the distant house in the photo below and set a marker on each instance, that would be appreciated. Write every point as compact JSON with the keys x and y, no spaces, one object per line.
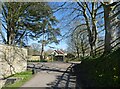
{"x":58,"y":55}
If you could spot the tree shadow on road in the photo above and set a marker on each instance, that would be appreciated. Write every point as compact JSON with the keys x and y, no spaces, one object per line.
{"x":67,"y":80}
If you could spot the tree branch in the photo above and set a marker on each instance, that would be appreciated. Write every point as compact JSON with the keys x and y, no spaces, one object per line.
{"x":118,"y":13}
{"x":88,"y":8}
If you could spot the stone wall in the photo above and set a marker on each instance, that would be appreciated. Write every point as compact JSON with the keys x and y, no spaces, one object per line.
{"x":12,"y":60}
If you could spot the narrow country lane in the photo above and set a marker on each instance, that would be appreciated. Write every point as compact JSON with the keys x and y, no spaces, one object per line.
{"x":52,"y":75}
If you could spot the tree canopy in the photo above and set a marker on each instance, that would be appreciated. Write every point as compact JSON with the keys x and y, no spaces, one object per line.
{"x":24,"y":20}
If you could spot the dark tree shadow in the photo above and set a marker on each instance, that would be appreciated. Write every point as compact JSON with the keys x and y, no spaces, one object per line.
{"x":65,"y":81}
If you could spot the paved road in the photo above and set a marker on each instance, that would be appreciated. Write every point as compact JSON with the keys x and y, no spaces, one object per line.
{"x":54,"y":75}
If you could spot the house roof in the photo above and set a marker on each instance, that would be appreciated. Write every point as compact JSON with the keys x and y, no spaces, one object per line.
{"x":59,"y":51}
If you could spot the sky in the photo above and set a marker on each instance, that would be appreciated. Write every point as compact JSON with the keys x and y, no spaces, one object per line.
{"x":59,"y":16}
{"x":64,"y":29}
{"x":62,"y":44}
{"x":65,"y":14}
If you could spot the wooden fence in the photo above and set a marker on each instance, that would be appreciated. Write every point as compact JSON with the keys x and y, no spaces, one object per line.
{"x":114,"y":45}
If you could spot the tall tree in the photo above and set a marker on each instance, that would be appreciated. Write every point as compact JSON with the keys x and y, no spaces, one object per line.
{"x":98,"y":17}
{"x":49,"y":33}
{"x":78,"y":40}
{"x":23,"y":19}
{"x":89,"y":12}
{"x":108,"y":8}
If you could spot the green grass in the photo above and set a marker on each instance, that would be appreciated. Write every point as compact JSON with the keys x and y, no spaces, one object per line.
{"x":25,"y":76}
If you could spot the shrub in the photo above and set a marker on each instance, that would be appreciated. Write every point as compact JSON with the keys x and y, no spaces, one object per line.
{"x":70,"y":55}
{"x":33,"y":60}
{"x":102,"y":71}
{"x":43,"y":60}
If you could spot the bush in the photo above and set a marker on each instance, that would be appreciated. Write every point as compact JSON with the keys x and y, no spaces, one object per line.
{"x":70,"y":55}
{"x":102,"y":71}
{"x":33,"y":60}
{"x":66,"y":60}
{"x":43,"y":60}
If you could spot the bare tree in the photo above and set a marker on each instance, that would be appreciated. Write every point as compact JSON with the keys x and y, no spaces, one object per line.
{"x":78,"y":40}
{"x":89,"y":12}
{"x":36,"y":47}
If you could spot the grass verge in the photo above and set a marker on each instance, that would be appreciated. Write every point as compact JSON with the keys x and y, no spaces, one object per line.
{"x":25,"y":76}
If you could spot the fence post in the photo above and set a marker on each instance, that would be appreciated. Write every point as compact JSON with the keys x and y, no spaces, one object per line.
{"x":33,"y":69}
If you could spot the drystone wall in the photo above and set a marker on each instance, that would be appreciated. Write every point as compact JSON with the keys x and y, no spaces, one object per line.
{"x":12,"y":60}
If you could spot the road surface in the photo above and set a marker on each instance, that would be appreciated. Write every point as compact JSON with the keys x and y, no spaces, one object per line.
{"x":54,"y":74}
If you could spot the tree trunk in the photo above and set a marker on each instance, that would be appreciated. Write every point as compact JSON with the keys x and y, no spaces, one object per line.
{"x":10,"y":38}
{"x":107,"y":46}
{"x":8,"y":35}
{"x":91,"y":52}
{"x":78,"y":52}
{"x":90,"y":36}
{"x":83,"y":51}
{"x":42,"y":52}
{"x":94,"y":28}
